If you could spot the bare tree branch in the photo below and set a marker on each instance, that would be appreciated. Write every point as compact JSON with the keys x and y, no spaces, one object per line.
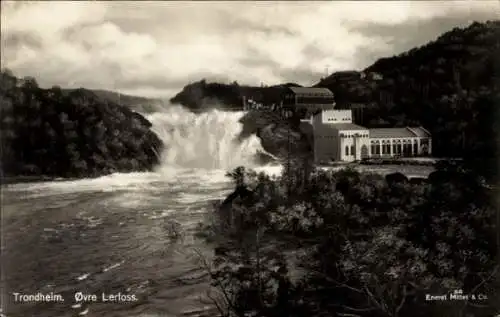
{"x":477,"y":287}
{"x":403,"y":300}
{"x":221,"y":288}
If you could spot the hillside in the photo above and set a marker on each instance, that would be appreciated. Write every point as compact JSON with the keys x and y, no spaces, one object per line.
{"x":435,"y":85}
{"x":203,"y":95}
{"x":48,"y":132}
{"x":450,"y":86}
{"x":132,"y":102}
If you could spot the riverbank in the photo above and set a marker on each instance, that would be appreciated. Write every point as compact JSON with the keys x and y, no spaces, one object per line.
{"x":356,"y":234}
{"x":10,"y":180}
{"x":409,"y":170}
{"x":423,"y":161}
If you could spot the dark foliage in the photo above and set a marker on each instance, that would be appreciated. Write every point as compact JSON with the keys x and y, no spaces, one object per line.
{"x":73,"y":134}
{"x":351,"y":244}
{"x":129,"y":101}
{"x":451,"y":86}
{"x":202,"y":95}
{"x":395,"y":178}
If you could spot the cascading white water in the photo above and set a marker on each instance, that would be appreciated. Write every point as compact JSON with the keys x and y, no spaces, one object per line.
{"x":130,"y":214}
{"x":203,"y":140}
{"x":199,"y":149}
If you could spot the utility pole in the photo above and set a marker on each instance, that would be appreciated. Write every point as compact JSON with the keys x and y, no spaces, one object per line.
{"x":497,"y":207}
{"x":287,"y":117}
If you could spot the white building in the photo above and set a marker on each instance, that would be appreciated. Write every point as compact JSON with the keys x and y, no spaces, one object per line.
{"x":336,"y":138}
{"x":404,"y":142}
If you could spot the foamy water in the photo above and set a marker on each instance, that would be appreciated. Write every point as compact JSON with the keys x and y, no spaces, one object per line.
{"x":114,"y":233}
{"x":206,"y":140}
{"x":115,"y":228}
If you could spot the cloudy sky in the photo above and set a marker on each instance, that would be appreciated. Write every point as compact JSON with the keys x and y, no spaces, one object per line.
{"x":155,"y":48}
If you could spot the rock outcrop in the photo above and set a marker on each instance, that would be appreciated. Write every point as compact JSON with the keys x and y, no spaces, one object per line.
{"x":47,"y":132}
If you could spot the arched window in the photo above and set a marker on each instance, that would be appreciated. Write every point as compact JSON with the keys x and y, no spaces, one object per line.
{"x":347,"y":150}
{"x":352,"y":150}
{"x":384,"y":147}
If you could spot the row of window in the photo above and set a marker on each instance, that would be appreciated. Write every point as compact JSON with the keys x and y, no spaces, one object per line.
{"x":396,"y":148}
{"x":359,"y":135}
{"x":389,"y":142}
{"x":347,"y":150}
{"x":343,"y":119}
{"x":308,"y":94}
{"x":409,"y":141}
{"x":386,"y":149}
{"x":315,"y":100}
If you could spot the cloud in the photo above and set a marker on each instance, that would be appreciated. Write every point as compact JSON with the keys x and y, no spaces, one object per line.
{"x":417,"y":32}
{"x":155,"y":48}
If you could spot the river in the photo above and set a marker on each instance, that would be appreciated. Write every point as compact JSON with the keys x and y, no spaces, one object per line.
{"x":113,"y":235}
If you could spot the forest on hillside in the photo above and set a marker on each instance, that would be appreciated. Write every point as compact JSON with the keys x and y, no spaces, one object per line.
{"x":451,"y":86}
{"x":206,"y":95}
{"x":56,"y":133}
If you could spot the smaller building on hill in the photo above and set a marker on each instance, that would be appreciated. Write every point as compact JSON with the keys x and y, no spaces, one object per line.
{"x":306,"y":101}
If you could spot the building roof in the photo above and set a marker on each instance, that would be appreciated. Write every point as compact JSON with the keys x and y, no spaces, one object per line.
{"x":385,"y":133}
{"x":347,"y":126}
{"x":420,"y":132}
{"x":309,"y":91}
{"x":323,"y":106}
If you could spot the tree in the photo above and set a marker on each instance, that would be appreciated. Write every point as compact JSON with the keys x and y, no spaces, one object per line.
{"x":370,"y":247}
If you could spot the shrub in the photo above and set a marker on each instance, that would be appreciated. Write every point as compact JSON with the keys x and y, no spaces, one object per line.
{"x":369,"y":247}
